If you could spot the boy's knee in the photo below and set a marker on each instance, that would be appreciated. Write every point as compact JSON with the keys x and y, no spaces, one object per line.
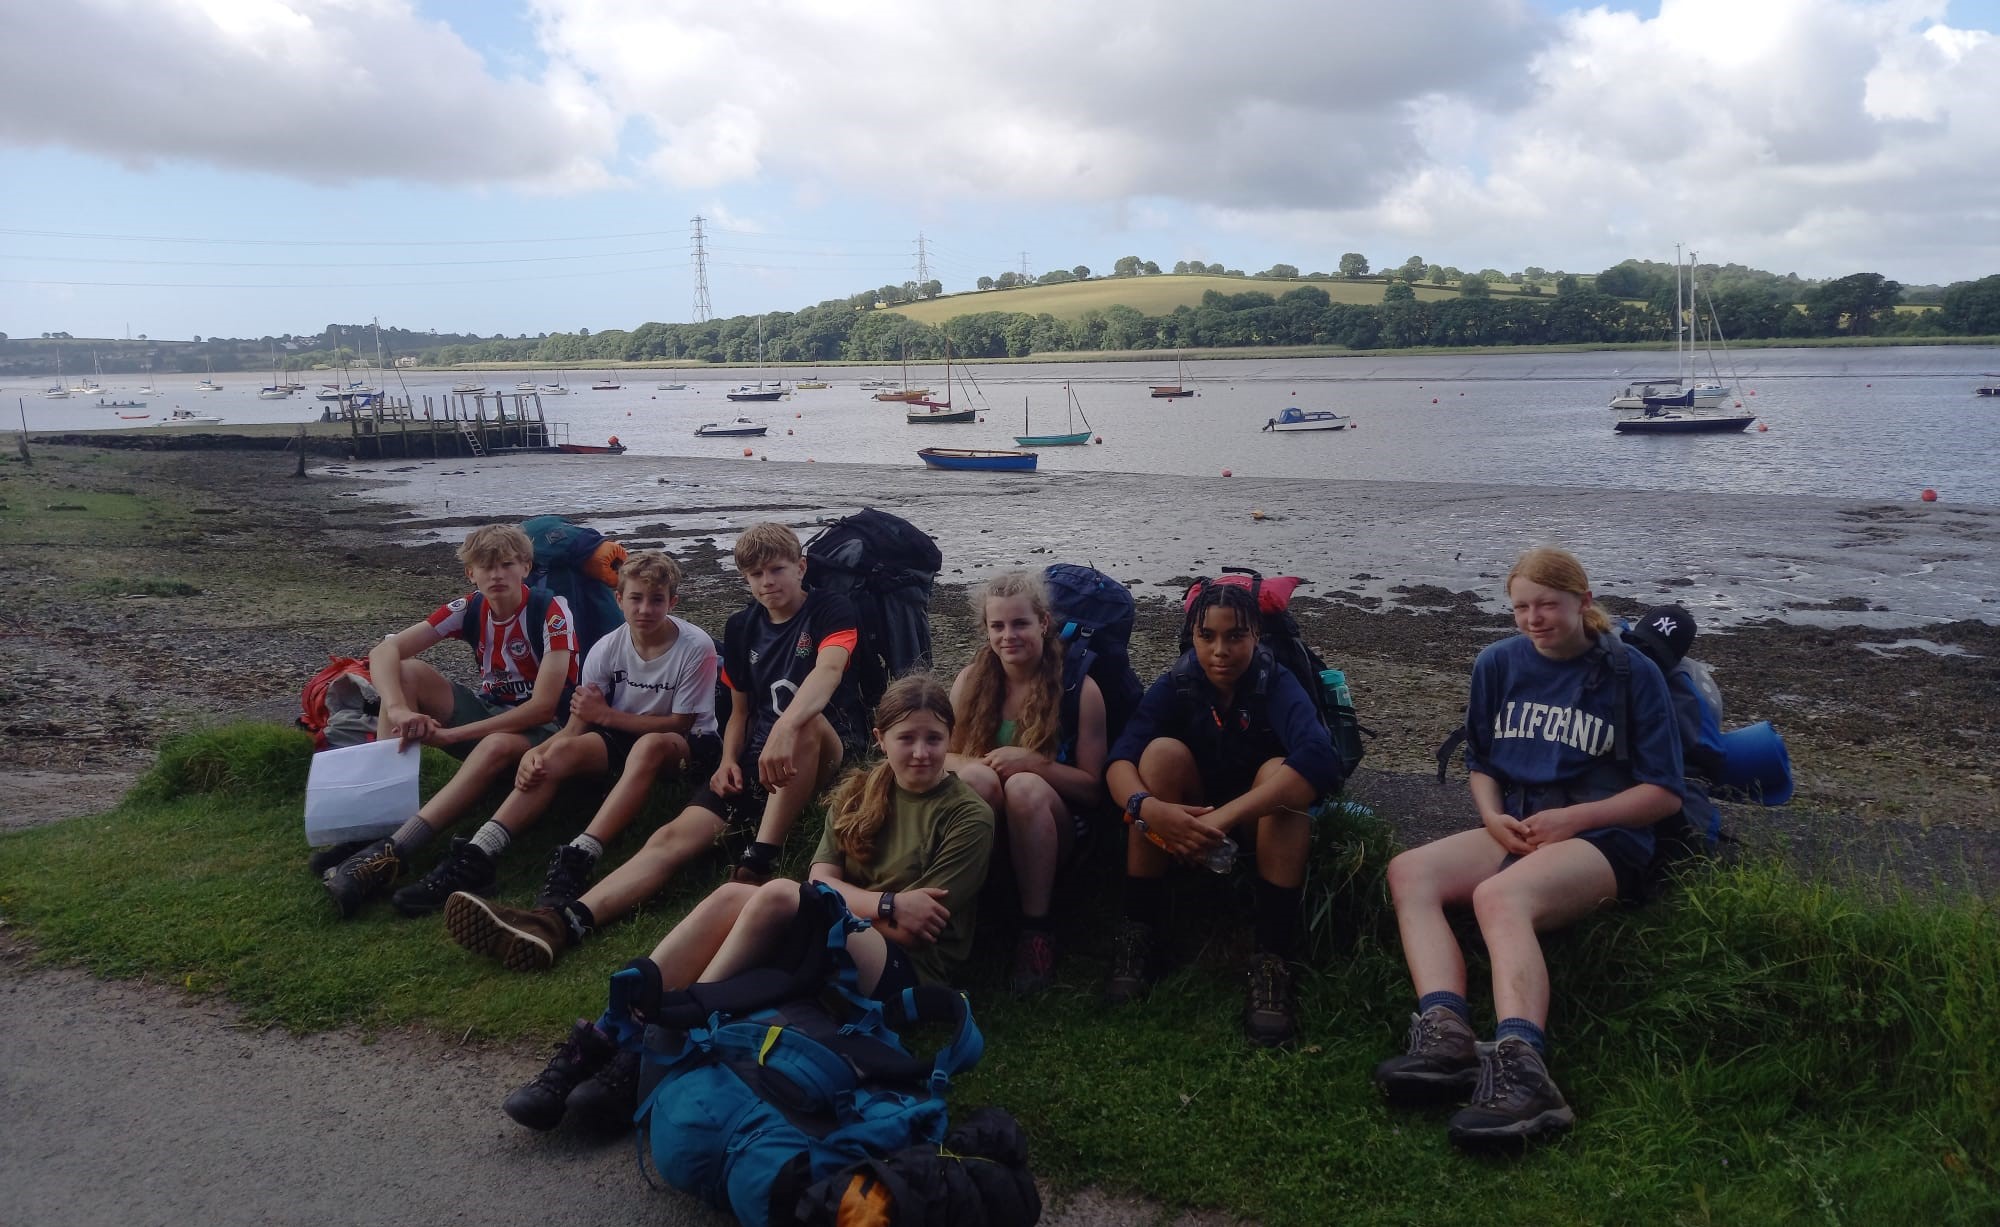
{"x":1497,"y":899}
{"x":497,"y":749}
{"x":654,"y":750}
{"x":692,"y":830}
{"x":1407,"y":877}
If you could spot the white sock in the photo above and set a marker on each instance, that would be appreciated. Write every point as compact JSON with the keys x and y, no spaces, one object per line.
{"x":492,"y":839}
{"x":589,"y":844}
{"x":411,"y":836}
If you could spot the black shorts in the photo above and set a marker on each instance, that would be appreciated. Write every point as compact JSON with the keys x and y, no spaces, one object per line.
{"x":743,"y":812}
{"x":705,"y":748}
{"x":1636,"y":870}
{"x":898,"y":974}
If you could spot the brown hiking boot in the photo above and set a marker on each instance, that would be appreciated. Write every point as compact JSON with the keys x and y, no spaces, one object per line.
{"x":520,"y":938}
{"x":362,"y":876}
{"x":1270,"y":1015}
{"x":1441,"y":1063}
{"x":1516,"y":1100}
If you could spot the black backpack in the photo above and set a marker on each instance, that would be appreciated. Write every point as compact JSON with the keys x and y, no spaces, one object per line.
{"x":1093,"y":616}
{"x":1280,"y":634}
{"x":886,"y":566}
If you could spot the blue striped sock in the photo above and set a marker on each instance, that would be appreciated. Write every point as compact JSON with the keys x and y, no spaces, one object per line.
{"x":1522,"y":1029}
{"x":1450,"y":1001}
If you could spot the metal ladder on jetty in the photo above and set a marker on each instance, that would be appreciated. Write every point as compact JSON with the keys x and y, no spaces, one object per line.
{"x":471,"y":438}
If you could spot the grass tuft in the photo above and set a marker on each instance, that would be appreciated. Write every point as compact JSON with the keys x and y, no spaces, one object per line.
{"x":117,"y":586}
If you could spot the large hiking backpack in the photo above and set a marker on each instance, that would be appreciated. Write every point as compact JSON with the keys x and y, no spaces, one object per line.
{"x":756,"y":1088}
{"x":1093,"y":616}
{"x":580,"y":565}
{"x":886,"y":566}
{"x":1279,"y":632}
{"x":339,"y":704}
{"x":979,"y":1176}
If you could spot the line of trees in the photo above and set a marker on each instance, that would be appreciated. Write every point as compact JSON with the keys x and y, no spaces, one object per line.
{"x":1630,"y":302}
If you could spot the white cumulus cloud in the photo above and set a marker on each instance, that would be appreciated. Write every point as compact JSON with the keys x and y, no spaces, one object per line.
{"x":324,"y":90}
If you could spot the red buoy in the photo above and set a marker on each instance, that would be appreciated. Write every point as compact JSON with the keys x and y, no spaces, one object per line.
{"x":748,"y":452}
{"x":1930,"y":495}
{"x":1762,"y":427}
{"x":1227,"y":473}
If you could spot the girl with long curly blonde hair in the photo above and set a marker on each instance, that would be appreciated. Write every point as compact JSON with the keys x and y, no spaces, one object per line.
{"x":1033,"y":753}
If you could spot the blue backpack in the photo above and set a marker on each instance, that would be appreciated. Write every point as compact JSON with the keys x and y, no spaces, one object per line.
{"x":562,"y":550}
{"x":758,"y":1087}
{"x":1093,"y":616}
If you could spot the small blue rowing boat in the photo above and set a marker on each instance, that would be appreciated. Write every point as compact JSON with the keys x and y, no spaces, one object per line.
{"x":968,"y":458}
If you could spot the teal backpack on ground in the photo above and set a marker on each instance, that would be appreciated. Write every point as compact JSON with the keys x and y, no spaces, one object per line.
{"x":758,"y":1087}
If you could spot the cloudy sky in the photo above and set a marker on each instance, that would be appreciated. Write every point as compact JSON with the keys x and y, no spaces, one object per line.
{"x":243,"y":167}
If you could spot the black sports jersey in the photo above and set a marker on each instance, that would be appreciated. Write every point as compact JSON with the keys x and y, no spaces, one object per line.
{"x":766,"y":661}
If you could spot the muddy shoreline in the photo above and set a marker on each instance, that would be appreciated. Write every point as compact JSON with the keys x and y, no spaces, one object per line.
{"x":182,"y":588}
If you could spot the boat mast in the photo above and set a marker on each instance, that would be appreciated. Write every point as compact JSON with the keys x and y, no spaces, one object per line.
{"x":1680,"y":354}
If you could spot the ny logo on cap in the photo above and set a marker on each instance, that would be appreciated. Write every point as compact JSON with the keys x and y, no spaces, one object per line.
{"x":1665,"y":625}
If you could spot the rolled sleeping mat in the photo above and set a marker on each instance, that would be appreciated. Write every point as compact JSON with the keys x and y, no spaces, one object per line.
{"x":1756,"y":765}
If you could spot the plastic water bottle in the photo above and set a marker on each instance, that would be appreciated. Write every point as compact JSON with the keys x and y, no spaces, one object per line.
{"x":1334,"y":682}
{"x":1222,"y":858}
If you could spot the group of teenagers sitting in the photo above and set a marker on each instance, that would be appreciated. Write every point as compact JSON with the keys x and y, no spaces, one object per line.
{"x":1224,"y":746}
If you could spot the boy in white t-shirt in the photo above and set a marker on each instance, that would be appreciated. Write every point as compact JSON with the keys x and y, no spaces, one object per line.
{"x":646,"y":704}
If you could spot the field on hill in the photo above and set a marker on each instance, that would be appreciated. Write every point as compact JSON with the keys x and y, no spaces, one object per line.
{"x":1147,"y":295}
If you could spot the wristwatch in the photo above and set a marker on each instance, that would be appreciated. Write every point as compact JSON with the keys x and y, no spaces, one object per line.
{"x":1132,"y":804}
{"x":886,"y":910}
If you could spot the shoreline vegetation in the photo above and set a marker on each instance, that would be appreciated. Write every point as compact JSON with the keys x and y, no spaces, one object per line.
{"x":1416,"y":308}
{"x":1802,"y":1033}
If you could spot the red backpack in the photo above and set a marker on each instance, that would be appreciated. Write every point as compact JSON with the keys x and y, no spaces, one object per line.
{"x":352,"y":700}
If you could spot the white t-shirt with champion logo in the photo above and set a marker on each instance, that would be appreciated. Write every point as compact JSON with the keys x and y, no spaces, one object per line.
{"x":678,"y":682}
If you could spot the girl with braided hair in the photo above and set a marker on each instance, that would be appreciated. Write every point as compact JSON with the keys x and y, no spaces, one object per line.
{"x":1031,"y":749}
{"x":1226,"y":745}
{"x":906,"y":846}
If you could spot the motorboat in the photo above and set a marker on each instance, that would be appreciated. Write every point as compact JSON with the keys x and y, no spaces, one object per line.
{"x":741,"y":428}
{"x":1296,"y":419}
{"x":811,"y":385}
{"x":610,"y":447}
{"x":1073,"y":438}
{"x":1988,"y":389}
{"x":671,"y":387}
{"x":121,"y":404}
{"x":189,"y":417}
{"x":976,"y":459}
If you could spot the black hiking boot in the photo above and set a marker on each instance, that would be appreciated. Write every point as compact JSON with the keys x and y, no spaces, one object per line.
{"x":465,"y":868}
{"x":1132,"y":965}
{"x":1270,"y":1015}
{"x":1440,"y":1065}
{"x":540,"y":1103}
{"x":569,"y":876}
{"x":1515,"y":1102}
{"x":607,"y":1101}
{"x":363,"y":875}
{"x":324,"y":859}
{"x":521,"y":939}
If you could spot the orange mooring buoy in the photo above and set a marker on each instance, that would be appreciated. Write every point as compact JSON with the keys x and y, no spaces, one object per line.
{"x":1930,"y":495}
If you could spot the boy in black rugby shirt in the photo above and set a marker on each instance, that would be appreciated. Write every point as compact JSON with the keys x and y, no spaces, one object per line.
{"x":793,"y":716}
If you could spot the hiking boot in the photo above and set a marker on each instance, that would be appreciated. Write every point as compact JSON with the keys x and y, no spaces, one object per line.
{"x":1131,"y":963}
{"x":324,"y":859}
{"x":520,"y":939}
{"x":608,"y":1100}
{"x":1270,"y":1016}
{"x":1034,"y":964}
{"x":1515,"y":1100}
{"x":569,"y":876}
{"x":749,"y":876}
{"x":363,"y":875}
{"x":540,"y":1104}
{"x":1441,"y":1063}
{"x":465,"y":868}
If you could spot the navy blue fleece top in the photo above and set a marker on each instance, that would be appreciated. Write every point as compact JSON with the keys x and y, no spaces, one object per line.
{"x":1269,"y":717}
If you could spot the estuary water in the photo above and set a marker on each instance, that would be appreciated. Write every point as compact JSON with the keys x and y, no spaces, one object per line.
{"x":1876,"y":423}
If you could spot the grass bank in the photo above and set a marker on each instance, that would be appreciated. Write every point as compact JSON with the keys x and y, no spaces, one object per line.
{"x":1757,"y":1048}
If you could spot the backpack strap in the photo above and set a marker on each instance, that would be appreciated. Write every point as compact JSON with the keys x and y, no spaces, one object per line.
{"x":1447,"y":748}
{"x":468,"y":626}
{"x":1069,"y":716}
{"x":931,"y":1003}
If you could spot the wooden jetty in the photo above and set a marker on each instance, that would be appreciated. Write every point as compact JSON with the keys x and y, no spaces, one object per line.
{"x":454,"y":425}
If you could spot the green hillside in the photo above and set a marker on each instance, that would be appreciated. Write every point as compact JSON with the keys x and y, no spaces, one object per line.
{"x":1158,"y":295}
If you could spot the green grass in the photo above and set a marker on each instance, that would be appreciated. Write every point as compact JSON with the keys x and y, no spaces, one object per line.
{"x":119,"y":585}
{"x":1159,"y":295}
{"x":1756,"y":1049}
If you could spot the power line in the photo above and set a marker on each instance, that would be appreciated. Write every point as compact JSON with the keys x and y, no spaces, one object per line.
{"x":593,"y":255}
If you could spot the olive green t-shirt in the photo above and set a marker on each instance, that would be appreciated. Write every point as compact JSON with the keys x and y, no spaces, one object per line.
{"x":941,"y":838}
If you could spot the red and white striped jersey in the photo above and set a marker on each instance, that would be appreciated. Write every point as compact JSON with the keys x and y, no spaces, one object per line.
{"x":509,"y":651}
